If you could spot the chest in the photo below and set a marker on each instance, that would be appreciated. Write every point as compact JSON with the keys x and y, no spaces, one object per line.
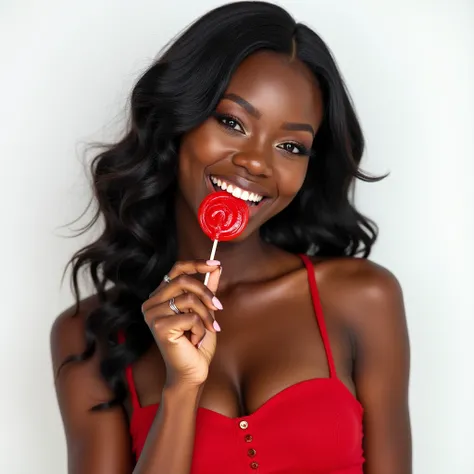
{"x":272,"y":338}
{"x":312,"y":427}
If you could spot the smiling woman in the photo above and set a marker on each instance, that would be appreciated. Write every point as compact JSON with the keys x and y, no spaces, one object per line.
{"x":262,"y":128}
{"x":294,"y":358}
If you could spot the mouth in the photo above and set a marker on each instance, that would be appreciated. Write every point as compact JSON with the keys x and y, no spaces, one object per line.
{"x":253,"y":199}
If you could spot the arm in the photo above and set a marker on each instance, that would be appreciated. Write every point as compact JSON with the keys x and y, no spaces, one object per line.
{"x":97,"y":442}
{"x":381,"y":370}
{"x":170,"y":442}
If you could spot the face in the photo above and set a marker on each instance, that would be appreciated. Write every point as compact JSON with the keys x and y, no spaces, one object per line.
{"x":256,"y":145}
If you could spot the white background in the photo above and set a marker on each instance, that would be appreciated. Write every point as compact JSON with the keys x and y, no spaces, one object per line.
{"x":66,"y":69}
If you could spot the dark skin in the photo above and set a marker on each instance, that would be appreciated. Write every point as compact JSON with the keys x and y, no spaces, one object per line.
{"x":264,"y":293}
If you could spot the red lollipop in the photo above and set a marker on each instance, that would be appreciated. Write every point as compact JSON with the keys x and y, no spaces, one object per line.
{"x":222,"y":217}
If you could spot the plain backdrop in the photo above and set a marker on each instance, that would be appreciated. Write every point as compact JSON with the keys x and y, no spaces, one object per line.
{"x":66,"y":71}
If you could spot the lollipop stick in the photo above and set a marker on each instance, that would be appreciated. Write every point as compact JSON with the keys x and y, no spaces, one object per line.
{"x":213,"y":254}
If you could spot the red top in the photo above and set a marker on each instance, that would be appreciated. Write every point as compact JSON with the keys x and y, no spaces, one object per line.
{"x":314,"y":426}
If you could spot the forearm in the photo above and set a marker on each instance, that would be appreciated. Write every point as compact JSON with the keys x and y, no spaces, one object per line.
{"x":170,"y":442}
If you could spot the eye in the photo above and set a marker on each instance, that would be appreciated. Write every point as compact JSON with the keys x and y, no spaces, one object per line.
{"x":229,"y":122}
{"x":294,"y":148}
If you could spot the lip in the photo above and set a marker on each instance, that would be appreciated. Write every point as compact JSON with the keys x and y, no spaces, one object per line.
{"x":252,"y":209}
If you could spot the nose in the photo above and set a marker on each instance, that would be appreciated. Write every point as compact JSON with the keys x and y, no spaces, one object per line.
{"x":256,"y":163}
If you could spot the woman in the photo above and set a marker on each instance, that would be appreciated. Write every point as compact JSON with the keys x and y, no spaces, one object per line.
{"x":295,"y":358}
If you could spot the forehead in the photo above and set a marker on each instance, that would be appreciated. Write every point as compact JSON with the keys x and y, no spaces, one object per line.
{"x":275,"y":85}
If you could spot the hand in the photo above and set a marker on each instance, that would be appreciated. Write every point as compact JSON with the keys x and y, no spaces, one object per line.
{"x":187,"y":341}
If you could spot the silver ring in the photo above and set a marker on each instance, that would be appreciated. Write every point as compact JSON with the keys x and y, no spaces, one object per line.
{"x":173,"y":307}
{"x":167,"y":279}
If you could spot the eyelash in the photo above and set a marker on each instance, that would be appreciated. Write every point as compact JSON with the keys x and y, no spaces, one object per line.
{"x":303,"y":151}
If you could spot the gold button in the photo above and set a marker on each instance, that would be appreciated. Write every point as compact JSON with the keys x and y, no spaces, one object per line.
{"x":251,"y":452}
{"x":244,"y":425}
{"x":249,"y":438}
{"x":254,"y":465}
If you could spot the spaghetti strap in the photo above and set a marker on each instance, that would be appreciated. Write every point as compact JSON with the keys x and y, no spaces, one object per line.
{"x":129,"y":377}
{"x":318,"y":310}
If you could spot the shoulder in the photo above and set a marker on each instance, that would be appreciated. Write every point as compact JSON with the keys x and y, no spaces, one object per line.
{"x":359,"y":291}
{"x":363,"y":277}
{"x":103,"y":439}
{"x":73,"y":318}
{"x":76,"y":358}
{"x":68,"y":331}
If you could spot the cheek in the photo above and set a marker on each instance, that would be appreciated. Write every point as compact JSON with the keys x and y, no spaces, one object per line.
{"x":200,"y":148}
{"x":192,"y":160}
{"x":291,"y":176}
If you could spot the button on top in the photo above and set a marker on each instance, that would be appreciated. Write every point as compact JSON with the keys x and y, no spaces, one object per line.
{"x":248,"y":438}
{"x":254,"y":465}
{"x":244,"y":425}
{"x":251,"y":452}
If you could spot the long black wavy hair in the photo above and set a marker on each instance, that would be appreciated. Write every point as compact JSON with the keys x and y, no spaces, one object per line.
{"x":134,"y":180}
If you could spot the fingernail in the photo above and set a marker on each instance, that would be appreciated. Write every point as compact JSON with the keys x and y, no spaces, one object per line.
{"x":213,"y":263}
{"x":217,"y":303}
{"x":220,"y":270}
{"x":216,"y":326}
{"x":199,"y":344}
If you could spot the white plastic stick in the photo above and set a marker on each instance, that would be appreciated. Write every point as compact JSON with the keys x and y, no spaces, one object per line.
{"x":213,"y":254}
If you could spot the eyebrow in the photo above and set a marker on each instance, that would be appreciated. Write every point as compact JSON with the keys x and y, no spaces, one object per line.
{"x":305,"y":127}
{"x":244,"y":104}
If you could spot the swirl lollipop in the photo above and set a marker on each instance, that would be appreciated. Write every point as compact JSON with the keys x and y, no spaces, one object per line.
{"x":222,"y":217}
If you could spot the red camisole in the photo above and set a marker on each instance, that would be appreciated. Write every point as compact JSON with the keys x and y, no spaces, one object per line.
{"x":314,"y":426}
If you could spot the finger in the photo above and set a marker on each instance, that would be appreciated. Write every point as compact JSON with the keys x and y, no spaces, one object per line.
{"x":212,"y":285}
{"x":197,"y":338}
{"x":214,"y":278}
{"x":192,"y":267}
{"x":184,"y":284}
{"x":190,"y":303}
{"x":187,"y":268}
{"x":171,"y":328}
{"x":186,"y":303}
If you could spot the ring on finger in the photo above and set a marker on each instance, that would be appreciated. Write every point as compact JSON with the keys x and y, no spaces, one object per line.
{"x":166,"y":279}
{"x":173,"y":307}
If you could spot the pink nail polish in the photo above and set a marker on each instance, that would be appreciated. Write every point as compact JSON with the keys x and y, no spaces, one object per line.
{"x":199,"y":344}
{"x":213,"y":263}
{"x":216,"y":326}
{"x":217,"y":303}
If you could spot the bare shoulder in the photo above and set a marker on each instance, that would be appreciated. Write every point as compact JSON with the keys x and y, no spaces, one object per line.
{"x":102,"y":436}
{"x":367,"y":298}
{"x":359,"y":290}
{"x":68,"y":338}
{"x":67,"y":335}
{"x":360,"y":274}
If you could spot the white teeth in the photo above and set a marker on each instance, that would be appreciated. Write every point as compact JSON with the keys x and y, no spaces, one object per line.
{"x":235,"y":191}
